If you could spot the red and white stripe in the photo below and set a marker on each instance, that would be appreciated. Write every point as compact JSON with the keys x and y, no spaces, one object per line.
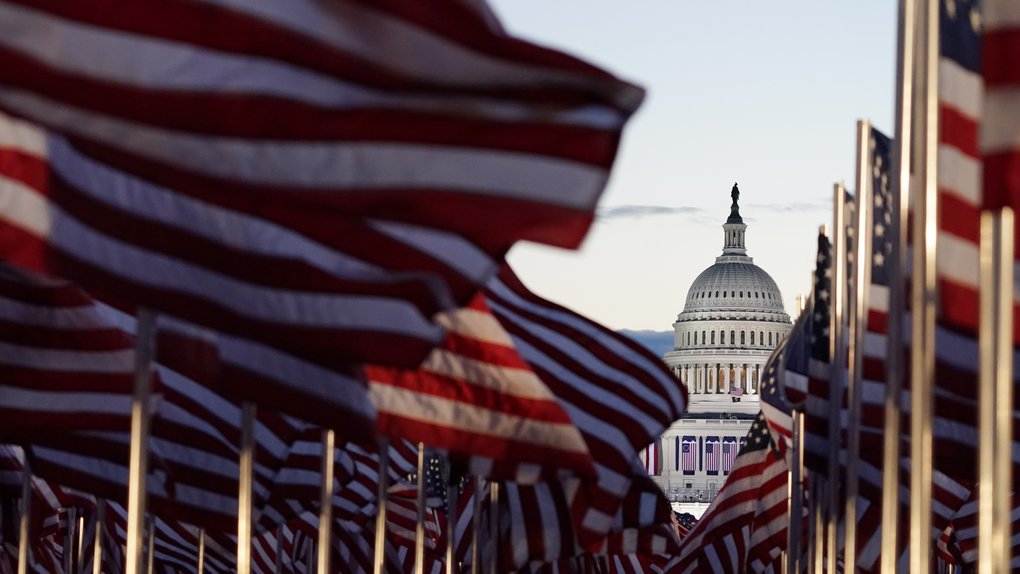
{"x":468,"y":113}
{"x":620,"y":396}
{"x":475,"y":397}
{"x":999,"y":138}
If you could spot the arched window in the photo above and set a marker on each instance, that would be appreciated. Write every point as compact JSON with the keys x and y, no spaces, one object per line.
{"x":752,"y":338}
{"x":702,"y":337}
{"x":713,"y":337}
{"x":741,"y":294}
{"x":770,"y":338}
{"x":716,"y":293}
{"x":761,"y":337}
{"x":742,"y":342}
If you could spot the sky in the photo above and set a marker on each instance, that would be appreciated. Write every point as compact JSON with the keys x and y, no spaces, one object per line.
{"x":765,"y":94}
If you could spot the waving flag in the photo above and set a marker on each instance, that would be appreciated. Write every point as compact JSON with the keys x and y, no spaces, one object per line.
{"x":475,"y":397}
{"x":274,"y":229}
{"x":620,"y":396}
{"x":754,"y":490}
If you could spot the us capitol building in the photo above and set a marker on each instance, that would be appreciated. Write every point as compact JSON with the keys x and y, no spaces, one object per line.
{"x":732,"y":320}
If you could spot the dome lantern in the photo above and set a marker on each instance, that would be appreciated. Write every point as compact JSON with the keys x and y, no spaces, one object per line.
{"x":734,"y":228}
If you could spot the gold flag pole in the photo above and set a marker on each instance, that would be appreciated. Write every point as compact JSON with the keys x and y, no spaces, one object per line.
{"x":326,"y":501}
{"x":995,"y":398}
{"x":494,"y":526}
{"x":138,"y":464}
{"x":26,"y":511}
{"x":451,"y":525}
{"x":796,"y":492}
{"x":923,"y":294}
{"x":905,"y":69}
{"x":201,"y":551}
{"x":246,"y":469}
{"x":858,"y":318}
{"x":97,"y":540}
{"x":379,"y":559}
{"x":837,"y":368}
{"x":476,"y":528}
{"x":419,"y":527}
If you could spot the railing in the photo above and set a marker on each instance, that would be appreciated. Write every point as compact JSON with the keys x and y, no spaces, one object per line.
{"x":676,"y":494}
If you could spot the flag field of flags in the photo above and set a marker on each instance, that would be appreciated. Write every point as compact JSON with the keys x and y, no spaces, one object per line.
{"x":256,"y":314}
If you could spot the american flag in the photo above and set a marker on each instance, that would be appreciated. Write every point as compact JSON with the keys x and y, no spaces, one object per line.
{"x":475,"y":397}
{"x":651,"y":459}
{"x":712,"y":453}
{"x":620,"y":396}
{"x":729,"y":453}
{"x":723,"y":540}
{"x":149,"y":180}
{"x":806,"y":373}
{"x":689,"y":454}
{"x":999,"y":147}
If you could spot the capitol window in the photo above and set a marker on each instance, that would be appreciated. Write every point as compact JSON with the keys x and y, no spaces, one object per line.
{"x":741,"y":338}
{"x":733,"y":337}
{"x":713,"y":337}
{"x":752,"y":338}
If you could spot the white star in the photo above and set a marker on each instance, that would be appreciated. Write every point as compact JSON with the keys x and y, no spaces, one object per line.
{"x":975,"y":20}
{"x":879,"y":201}
{"x":951,"y":8}
{"x":879,"y":230}
{"x":879,"y":259}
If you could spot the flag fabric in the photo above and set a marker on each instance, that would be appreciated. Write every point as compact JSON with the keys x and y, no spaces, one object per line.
{"x":254,"y":228}
{"x":722,"y":538}
{"x":620,"y":396}
{"x":651,"y":459}
{"x":806,"y":373}
{"x":689,"y":455}
{"x":998,"y":142}
{"x":712,"y":454}
{"x":729,"y":453}
{"x":475,"y":397}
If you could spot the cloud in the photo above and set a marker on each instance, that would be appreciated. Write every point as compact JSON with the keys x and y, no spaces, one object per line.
{"x":639,"y":211}
{"x":796,"y":207}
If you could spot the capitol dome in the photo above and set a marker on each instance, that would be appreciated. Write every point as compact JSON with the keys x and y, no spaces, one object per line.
{"x":731,"y":321}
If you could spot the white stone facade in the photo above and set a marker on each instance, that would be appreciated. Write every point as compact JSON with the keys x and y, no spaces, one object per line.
{"x":732,"y":320}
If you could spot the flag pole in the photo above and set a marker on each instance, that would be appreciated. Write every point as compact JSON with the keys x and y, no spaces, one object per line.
{"x":244,"y":487}
{"x":138,"y":469}
{"x":326,"y":501}
{"x":451,"y":525}
{"x":26,"y":511}
{"x":858,"y":317}
{"x":923,"y":307}
{"x":476,"y":528}
{"x":97,"y":541}
{"x":796,"y":491}
{"x":818,"y":510}
{"x":995,"y":402}
{"x":894,"y":341}
{"x":419,"y":528}
{"x":837,"y":367}
{"x":494,"y":526}
{"x":379,"y":559}
{"x":150,"y":557}
{"x":201,"y":552}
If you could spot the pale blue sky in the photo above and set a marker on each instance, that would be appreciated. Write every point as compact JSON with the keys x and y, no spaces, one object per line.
{"x":762,"y":93}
